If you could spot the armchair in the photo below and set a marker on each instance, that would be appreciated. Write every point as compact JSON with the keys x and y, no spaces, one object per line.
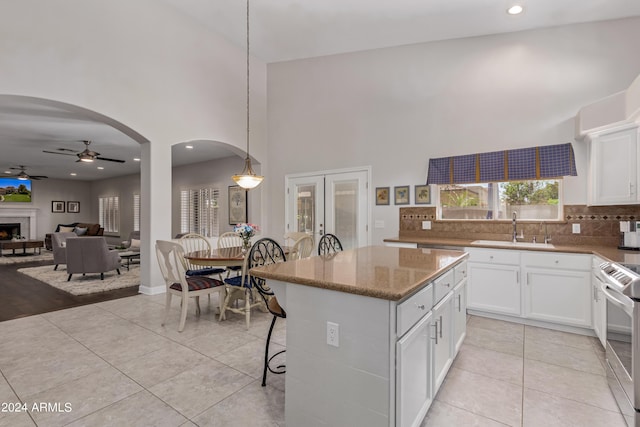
{"x":90,"y":255}
{"x":59,"y":246}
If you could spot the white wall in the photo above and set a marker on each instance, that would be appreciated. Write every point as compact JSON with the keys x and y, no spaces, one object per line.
{"x":145,"y":66}
{"x":395,"y":108}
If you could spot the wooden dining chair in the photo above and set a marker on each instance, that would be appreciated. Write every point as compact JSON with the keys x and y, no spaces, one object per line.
{"x":329,"y":245}
{"x":264,"y":252}
{"x":170,"y":258}
{"x":230,"y":240}
{"x":192,"y":242}
{"x":302,"y":248}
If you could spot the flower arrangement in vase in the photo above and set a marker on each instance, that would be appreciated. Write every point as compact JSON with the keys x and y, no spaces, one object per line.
{"x":246,"y":231}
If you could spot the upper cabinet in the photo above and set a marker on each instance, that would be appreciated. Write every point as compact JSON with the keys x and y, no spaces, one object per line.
{"x":614,"y":157}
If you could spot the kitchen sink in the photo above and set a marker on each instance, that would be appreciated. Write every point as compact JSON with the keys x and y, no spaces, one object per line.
{"x":506,"y":244}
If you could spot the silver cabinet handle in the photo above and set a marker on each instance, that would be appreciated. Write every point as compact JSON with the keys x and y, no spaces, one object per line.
{"x":421,"y":306}
{"x":436,"y":331}
{"x":459,"y":303}
{"x":448,"y":285}
{"x":517,"y":277}
{"x":440,"y":328}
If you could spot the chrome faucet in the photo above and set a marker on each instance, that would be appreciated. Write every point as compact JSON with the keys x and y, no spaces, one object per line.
{"x":547,"y":238}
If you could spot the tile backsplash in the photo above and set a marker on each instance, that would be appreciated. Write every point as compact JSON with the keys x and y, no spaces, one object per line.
{"x":599,"y":225}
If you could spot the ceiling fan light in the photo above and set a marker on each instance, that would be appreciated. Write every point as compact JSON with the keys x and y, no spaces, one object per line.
{"x":85,"y":158}
{"x":23,"y":176}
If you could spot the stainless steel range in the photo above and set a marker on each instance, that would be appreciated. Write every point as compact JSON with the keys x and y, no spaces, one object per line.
{"x":621,"y":286}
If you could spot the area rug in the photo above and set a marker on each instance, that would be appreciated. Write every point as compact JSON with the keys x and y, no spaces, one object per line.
{"x":83,"y":285}
{"x":17,"y":259}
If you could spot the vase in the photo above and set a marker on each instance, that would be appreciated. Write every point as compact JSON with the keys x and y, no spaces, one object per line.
{"x":246,"y":245}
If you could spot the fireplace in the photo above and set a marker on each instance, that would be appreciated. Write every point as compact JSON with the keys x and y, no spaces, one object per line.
{"x":9,"y":230}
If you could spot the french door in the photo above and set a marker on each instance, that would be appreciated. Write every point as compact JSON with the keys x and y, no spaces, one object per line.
{"x":335,"y":202}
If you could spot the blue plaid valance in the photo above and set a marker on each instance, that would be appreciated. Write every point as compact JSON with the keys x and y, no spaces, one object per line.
{"x":545,"y":162}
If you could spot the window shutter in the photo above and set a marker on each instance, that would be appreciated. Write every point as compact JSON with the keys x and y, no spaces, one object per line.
{"x":136,"y":212}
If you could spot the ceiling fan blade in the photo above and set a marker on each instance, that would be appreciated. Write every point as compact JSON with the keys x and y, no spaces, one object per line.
{"x":110,"y":160}
{"x":56,"y":152}
{"x":38,"y":177}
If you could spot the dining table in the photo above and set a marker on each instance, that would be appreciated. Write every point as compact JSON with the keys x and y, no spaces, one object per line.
{"x":228,"y":257}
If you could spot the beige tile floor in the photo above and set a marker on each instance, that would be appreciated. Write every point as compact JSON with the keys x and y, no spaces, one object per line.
{"x":516,"y":375}
{"x":117,"y":366}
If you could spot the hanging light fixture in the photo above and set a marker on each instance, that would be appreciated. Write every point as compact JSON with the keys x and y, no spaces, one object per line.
{"x":248,"y":179}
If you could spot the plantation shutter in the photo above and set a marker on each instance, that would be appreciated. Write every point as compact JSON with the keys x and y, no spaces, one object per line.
{"x":109,"y":214}
{"x":199,"y":211}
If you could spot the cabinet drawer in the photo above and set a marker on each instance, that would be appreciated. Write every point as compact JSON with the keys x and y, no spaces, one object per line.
{"x":557,"y":260}
{"x":494,"y":256}
{"x":412,"y":310}
{"x":442,"y":285}
{"x":460,"y":272}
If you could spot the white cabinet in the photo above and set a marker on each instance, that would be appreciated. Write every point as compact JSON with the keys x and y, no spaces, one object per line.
{"x":413,"y":381}
{"x":557,"y":288}
{"x":459,"y":306}
{"x":613,"y":167}
{"x":459,"y":315}
{"x":494,"y":281}
{"x":442,"y":330}
{"x":599,"y":306}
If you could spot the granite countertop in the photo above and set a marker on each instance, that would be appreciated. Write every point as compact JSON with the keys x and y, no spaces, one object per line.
{"x":374,"y":271}
{"x":607,"y":252}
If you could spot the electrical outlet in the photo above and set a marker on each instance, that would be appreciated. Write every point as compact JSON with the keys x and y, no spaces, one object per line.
{"x":575,"y":228}
{"x":333,"y":334}
{"x":426,"y":225}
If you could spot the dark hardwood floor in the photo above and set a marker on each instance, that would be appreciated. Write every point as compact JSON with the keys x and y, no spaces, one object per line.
{"x":21,"y":295}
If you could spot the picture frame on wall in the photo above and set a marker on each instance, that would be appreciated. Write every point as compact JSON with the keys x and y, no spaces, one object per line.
{"x":382,"y":195}
{"x":401,"y":195}
{"x":73,"y":207}
{"x":423,"y":194}
{"x":238,"y":207}
{"x":57,"y":206}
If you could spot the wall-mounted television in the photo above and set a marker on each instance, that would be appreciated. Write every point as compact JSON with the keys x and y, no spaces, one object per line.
{"x":15,"y":190}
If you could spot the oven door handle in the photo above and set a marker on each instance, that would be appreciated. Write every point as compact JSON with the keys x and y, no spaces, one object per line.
{"x":628,"y":308}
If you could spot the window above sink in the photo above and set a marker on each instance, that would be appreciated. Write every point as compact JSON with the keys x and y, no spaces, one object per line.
{"x":533,"y":200}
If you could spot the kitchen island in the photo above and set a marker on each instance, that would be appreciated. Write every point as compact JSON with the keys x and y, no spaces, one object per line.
{"x":371,"y":332}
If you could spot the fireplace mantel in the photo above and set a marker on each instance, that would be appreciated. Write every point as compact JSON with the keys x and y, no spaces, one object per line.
{"x":21,"y":213}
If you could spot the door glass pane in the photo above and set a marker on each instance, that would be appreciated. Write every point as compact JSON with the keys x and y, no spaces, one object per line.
{"x":305,"y":208}
{"x":345,"y":202}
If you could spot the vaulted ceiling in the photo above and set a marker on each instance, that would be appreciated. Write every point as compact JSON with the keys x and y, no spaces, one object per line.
{"x":280,"y":30}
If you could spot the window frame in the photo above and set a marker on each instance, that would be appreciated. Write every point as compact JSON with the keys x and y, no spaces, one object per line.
{"x":195,"y":215}
{"x":109,"y":214}
{"x":496,"y":202}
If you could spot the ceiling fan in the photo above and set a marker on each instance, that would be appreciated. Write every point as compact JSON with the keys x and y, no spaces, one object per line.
{"x":83,"y":156}
{"x":23,"y":176}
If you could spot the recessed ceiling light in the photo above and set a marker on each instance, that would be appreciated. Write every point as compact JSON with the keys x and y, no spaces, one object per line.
{"x":515,"y":9}
{"x":189,"y":147}
{"x":135,"y":159}
{"x":100,"y":167}
{"x":9,"y":172}
{"x":73,"y":174}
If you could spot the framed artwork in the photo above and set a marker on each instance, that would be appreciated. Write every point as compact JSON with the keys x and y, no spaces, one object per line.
{"x":423,"y":194}
{"x":73,"y":207}
{"x":57,"y":206}
{"x":238,"y":207}
{"x":382,"y":195}
{"x":401,"y":195}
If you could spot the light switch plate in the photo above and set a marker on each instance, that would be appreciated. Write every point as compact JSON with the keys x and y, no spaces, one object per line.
{"x":426,"y":225}
{"x":379,"y":223}
{"x":575,"y":228}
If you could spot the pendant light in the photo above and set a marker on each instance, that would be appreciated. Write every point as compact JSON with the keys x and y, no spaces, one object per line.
{"x":248,"y":179}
